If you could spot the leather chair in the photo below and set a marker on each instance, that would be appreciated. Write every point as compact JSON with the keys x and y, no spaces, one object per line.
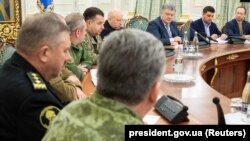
{"x":137,"y":22}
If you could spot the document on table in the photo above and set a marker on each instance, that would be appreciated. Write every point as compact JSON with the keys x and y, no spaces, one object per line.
{"x":150,"y":119}
{"x":93,"y":73}
{"x":220,"y":41}
{"x":247,"y":42}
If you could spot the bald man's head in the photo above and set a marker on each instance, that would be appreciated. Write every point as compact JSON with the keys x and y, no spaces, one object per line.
{"x":115,"y":19}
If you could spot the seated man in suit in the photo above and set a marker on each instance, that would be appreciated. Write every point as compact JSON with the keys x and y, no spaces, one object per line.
{"x":114,"y":22}
{"x":238,"y":26}
{"x":164,"y":28}
{"x":205,"y":26}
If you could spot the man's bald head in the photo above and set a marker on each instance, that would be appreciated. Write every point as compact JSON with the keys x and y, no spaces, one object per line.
{"x":115,"y":18}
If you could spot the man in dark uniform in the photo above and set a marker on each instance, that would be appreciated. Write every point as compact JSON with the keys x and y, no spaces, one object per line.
{"x":27,"y":102}
{"x":113,"y":23}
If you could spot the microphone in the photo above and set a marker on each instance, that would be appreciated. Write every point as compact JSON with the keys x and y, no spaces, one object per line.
{"x":204,"y":38}
{"x":221,"y":118}
{"x":210,"y":38}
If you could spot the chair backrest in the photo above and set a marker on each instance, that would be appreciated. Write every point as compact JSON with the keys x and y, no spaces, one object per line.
{"x":138,"y":22}
{"x":223,"y":29}
{"x":186,"y":27}
{"x":6,"y":51}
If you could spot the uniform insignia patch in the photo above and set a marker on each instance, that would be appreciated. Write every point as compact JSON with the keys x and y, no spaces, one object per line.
{"x":47,"y":115}
{"x":36,"y":81}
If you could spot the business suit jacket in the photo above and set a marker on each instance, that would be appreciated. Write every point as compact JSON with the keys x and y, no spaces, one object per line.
{"x":157,"y":28}
{"x":199,"y":27}
{"x":232,"y":28}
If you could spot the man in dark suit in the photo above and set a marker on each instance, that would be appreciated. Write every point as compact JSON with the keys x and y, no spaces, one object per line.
{"x":113,"y":23}
{"x":27,"y":101}
{"x":164,"y":28}
{"x":238,"y":26}
{"x":205,"y":25}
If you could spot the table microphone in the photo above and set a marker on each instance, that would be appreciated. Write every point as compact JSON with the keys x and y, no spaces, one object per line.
{"x":204,"y":38}
{"x":209,"y":37}
{"x":221,"y":118}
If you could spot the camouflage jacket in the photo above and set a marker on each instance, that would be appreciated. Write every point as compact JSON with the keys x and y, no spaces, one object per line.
{"x":80,"y":55}
{"x":94,"y":119}
{"x":93,"y":45}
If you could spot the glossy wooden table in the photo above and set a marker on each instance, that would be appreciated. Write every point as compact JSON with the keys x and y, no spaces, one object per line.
{"x":197,"y":95}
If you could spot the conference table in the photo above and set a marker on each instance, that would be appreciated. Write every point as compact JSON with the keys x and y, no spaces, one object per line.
{"x":219,"y":72}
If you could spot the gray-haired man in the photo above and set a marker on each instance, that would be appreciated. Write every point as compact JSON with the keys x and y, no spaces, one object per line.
{"x":164,"y":28}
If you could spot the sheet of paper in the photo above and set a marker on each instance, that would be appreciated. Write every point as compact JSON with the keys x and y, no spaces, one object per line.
{"x":237,"y":118}
{"x":247,"y":42}
{"x":150,"y":119}
{"x":93,"y":73}
{"x":220,"y":41}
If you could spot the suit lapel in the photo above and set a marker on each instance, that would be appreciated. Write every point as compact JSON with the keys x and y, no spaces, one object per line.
{"x":164,"y":30}
{"x":172,"y":30}
{"x":243,"y":26}
{"x":211,"y":29}
{"x":202,"y":26}
{"x":237,"y":27}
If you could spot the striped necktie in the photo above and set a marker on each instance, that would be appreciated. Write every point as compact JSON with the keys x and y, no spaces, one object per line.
{"x":169,"y":31}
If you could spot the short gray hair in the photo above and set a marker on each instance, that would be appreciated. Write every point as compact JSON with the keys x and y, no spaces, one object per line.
{"x":74,"y":21}
{"x":39,"y":30}
{"x":131,"y":61}
{"x":168,"y":6}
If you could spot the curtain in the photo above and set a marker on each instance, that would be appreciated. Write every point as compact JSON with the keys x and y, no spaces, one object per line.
{"x":150,"y":9}
{"x":247,"y":6}
{"x":226,"y":11}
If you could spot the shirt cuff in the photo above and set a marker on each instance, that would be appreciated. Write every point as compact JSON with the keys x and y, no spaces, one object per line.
{"x":171,"y":40}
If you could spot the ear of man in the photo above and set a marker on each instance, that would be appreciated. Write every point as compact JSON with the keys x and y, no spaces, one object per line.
{"x":154,"y":92}
{"x":44,"y":53}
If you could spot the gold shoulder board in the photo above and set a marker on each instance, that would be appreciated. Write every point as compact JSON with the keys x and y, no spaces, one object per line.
{"x":36,"y":81}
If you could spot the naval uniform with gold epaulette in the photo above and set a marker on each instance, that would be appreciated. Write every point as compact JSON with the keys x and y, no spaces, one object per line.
{"x":27,"y":102}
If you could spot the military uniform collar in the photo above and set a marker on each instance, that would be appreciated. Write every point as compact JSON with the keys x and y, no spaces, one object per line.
{"x":108,"y":26}
{"x":23,"y":63}
{"x":109,"y":103}
{"x":77,"y":47}
{"x":93,"y":39}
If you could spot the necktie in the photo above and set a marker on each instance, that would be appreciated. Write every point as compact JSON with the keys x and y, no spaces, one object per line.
{"x":169,"y":31}
{"x":240,"y":28}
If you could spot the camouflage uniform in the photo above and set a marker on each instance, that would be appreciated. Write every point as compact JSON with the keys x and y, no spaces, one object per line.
{"x":93,"y":45}
{"x":65,"y":89}
{"x":80,"y":55}
{"x":94,"y":119}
